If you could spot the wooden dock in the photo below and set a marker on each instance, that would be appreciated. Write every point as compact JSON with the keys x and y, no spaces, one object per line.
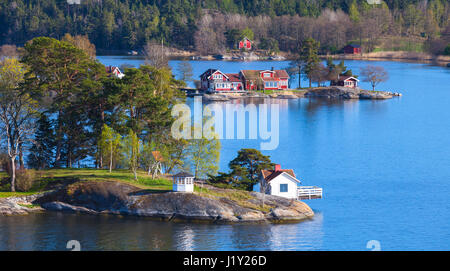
{"x":309,"y":192}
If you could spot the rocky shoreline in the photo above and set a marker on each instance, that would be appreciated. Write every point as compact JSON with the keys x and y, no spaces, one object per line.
{"x":319,"y":92}
{"x":109,"y":197}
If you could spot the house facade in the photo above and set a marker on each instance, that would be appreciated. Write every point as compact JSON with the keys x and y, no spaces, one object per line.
{"x":345,"y":81}
{"x":265,"y":79}
{"x":214,"y":80}
{"x":278,"y":182}
{"x":115,"y":71}
{"x":352,"y":49}
{"x":245,"y":43}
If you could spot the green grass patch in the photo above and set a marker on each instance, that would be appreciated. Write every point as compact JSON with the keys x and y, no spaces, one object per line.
{"x":241,"y":197}
{"x":29,"y":205}
{"x":47,"y":179}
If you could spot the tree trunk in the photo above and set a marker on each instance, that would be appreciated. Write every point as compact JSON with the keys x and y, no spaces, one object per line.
{"x":21,"y":162}
{"x":13,"y":174}
{"x":299,"y":77}
{"x":59,"y":139}
{"x":135,"y":174}
{"x":111,"y":158}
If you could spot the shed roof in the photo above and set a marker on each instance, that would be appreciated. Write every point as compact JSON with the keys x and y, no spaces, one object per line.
{"x":183,"y":174}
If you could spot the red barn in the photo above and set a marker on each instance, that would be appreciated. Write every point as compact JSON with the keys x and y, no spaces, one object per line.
{"x":245,"y":43}
{"x":352,"y":49}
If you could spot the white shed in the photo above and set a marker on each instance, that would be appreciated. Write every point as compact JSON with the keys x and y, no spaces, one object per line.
{"x":183,"y":182}
{"x":278,"y":182}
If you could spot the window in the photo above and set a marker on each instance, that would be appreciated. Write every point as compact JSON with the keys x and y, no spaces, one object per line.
{"x":270,"y":84}
{"x":283,"y":187}
{"x":266,"y":75}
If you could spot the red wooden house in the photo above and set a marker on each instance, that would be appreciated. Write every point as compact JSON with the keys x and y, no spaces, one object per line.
{"x":265,"y":79}
{"x":245,"y":43}
{"x":214,"y":80}
{"x":352,"y":49}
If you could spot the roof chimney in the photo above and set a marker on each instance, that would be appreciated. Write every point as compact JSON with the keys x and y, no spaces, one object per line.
{"x":277,"y":167}
{"x":273,"y":68}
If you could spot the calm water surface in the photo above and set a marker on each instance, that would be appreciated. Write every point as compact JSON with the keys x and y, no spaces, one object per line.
{"x":384,"y":167}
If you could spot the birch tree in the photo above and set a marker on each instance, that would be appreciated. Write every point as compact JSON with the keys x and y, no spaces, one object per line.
{"x":110,"y":145}
{"x":17,"y":112}
{"x":133,"y":150}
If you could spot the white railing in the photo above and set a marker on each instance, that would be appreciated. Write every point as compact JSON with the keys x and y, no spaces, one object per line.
{"x":309,"y":192}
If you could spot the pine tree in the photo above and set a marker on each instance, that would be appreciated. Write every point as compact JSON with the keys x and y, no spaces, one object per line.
{"x":41,"y":152}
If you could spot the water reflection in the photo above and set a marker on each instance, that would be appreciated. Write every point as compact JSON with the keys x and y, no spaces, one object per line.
{"x":52,"y":231}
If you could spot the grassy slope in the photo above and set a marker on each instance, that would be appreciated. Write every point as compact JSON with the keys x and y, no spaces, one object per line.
{"x":48,"y":178}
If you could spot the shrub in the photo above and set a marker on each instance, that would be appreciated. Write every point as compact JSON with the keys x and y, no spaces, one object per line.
{"x":25,"y":179}
{"x":5,"y":163}
{"x":447,"y":50}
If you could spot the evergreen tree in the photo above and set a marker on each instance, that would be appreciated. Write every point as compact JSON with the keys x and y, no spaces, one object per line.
{"x":247,"y":166}
{"x":41,"y":152}
{"x":309,"y":56}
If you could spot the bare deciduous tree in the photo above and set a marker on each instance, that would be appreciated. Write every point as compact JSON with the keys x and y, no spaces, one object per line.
{"x":8,"y":51}
{"x":374,"y":75}
{"x":81,"y":42}
{"x":156,"y":55}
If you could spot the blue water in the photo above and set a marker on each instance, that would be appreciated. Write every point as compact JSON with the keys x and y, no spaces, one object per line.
{"x":384,"y":167}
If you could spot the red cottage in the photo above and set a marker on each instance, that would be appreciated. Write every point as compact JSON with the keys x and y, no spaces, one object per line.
{"x":352,"y":49}
{"x":265,"y":79}
{"x":214,"y":80}
{"x":245,"y":43}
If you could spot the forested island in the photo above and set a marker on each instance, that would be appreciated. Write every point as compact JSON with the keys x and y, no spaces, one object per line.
{"x":215,"y":27}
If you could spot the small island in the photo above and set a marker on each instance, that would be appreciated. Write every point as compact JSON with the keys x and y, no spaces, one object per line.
{"x":98,"y":192}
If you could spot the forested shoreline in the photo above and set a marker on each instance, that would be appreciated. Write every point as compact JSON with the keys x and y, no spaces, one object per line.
{"x":213,"y":26}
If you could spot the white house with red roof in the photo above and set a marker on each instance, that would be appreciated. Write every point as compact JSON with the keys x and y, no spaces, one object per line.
{"x":284,"y":183}
{"x":278,"y":182}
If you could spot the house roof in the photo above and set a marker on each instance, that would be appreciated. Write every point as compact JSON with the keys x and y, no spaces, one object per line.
{"x":345,"y":78}
{"x":183,"y":174}
{"x":354,"y":45}
{"x":255,"y":74}
{"x":269,"y":175}
{"x":281,"y":74}
{"x":208,"y":72}
{"x":233,"y":77}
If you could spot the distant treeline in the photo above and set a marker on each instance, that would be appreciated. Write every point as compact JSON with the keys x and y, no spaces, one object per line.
{"x":130,"y":24}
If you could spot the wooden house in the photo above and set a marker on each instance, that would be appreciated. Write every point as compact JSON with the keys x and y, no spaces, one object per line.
{"x":352,"y":49}
{"x":214,"y":80}
{"x":345,"y":81}
{"x":245,"y":43}
{"x":265,"y":79}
